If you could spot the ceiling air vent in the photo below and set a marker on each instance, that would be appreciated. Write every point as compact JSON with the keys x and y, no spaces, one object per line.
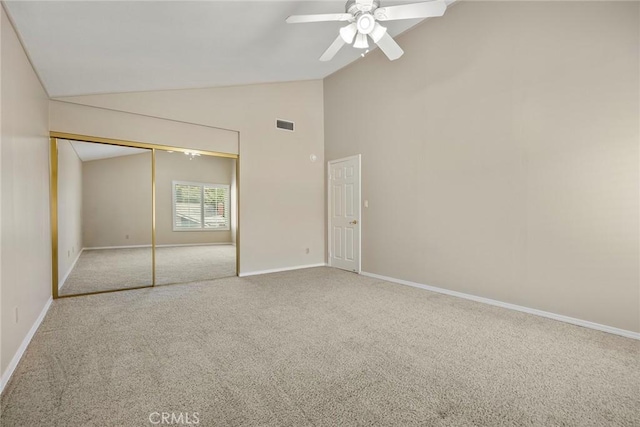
{"x":284,"y":125}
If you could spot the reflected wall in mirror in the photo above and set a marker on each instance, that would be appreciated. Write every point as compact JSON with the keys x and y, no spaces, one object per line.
{"x":104,"y":217}
{"x":195,"y":217}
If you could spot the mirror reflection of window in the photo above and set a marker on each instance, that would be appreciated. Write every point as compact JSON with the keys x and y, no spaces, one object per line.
{"x":201,"y":206}
{"x":104,"y":217}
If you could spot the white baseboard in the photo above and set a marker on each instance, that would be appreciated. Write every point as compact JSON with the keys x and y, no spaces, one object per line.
{"x":554,"y":316}
{"x":196,"y":244}
{"x":157,"y":246}
{"x":278,"y":270}
{"x":66,"y":276}
{"x":95,"y":248}
{"x":6,"y":376}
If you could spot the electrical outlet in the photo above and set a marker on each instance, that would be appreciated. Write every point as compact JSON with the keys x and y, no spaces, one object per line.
{"x":307,"y":251}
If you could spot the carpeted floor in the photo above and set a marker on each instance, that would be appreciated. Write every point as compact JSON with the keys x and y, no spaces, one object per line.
{"x":185,"y":264}
{"x":108,"y":269}
{"x":316,"y":347}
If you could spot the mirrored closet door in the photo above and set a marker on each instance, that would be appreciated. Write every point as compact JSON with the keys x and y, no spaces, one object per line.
{"x":104,"y":217}
{"x":128,"y":217}
{"x":194,"y":235}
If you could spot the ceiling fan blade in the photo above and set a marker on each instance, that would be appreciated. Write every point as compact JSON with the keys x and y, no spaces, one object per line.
{"x":410,"y":11}
{"x":333,"y":49}
{"x":390,"y":47}
{"x":325,"y":17}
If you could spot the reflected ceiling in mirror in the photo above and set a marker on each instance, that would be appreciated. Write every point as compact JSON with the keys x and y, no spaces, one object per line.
{"x":91,"y":151}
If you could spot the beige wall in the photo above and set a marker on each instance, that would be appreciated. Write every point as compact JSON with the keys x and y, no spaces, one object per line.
{"x":500,"y":155}
{"x":116,"y":201}
{"x":177,"y":167}
{"x":281,"y":190}
{"x":69,"y":208}
{"x":105,"y":123}
{"x":25,"y":277}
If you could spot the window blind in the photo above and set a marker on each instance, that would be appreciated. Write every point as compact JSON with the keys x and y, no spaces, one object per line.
{"x":200,"y":206}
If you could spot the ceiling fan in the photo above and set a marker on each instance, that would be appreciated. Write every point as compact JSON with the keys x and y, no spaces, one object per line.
{"x":363,"y":17}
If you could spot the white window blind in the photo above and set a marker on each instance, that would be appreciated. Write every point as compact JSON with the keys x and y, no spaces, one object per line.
{"x":199,"y":206}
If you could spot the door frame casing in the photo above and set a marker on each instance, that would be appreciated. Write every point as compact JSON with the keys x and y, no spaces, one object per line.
{"x":357,"y":157}
{"x":153,"y":148}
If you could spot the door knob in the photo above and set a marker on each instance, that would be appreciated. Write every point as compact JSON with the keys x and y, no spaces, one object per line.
{"x":354,"y":222}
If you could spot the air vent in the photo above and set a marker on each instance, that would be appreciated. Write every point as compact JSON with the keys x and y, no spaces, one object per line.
{"x":284,"y":125}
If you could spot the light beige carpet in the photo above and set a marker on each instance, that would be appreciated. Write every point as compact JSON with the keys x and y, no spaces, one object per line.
{"x":109,"y":269}
{"x":316,"y":347}
{"x":183,"y":264}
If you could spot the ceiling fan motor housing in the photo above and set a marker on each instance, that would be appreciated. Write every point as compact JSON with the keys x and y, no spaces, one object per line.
{"x":352,"y":7}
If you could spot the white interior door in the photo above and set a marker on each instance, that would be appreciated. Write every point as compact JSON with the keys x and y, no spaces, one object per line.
{"x":344,"y":213}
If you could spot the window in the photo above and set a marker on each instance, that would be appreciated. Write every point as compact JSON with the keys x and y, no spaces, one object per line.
{"x":198,"y":206}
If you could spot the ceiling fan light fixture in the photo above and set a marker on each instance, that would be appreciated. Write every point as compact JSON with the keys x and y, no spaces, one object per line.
{"x":366,"y":23}
{"x":377,"y":33}
{"x":361,"y":41}
{"x":348,"y":33}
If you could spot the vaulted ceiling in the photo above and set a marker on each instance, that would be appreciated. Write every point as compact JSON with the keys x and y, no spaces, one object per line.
{"x":86,"y":47}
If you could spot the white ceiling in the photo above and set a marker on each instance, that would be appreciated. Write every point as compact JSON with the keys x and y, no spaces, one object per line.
{"x":85,"y":47}
{"x":91,"y":151}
